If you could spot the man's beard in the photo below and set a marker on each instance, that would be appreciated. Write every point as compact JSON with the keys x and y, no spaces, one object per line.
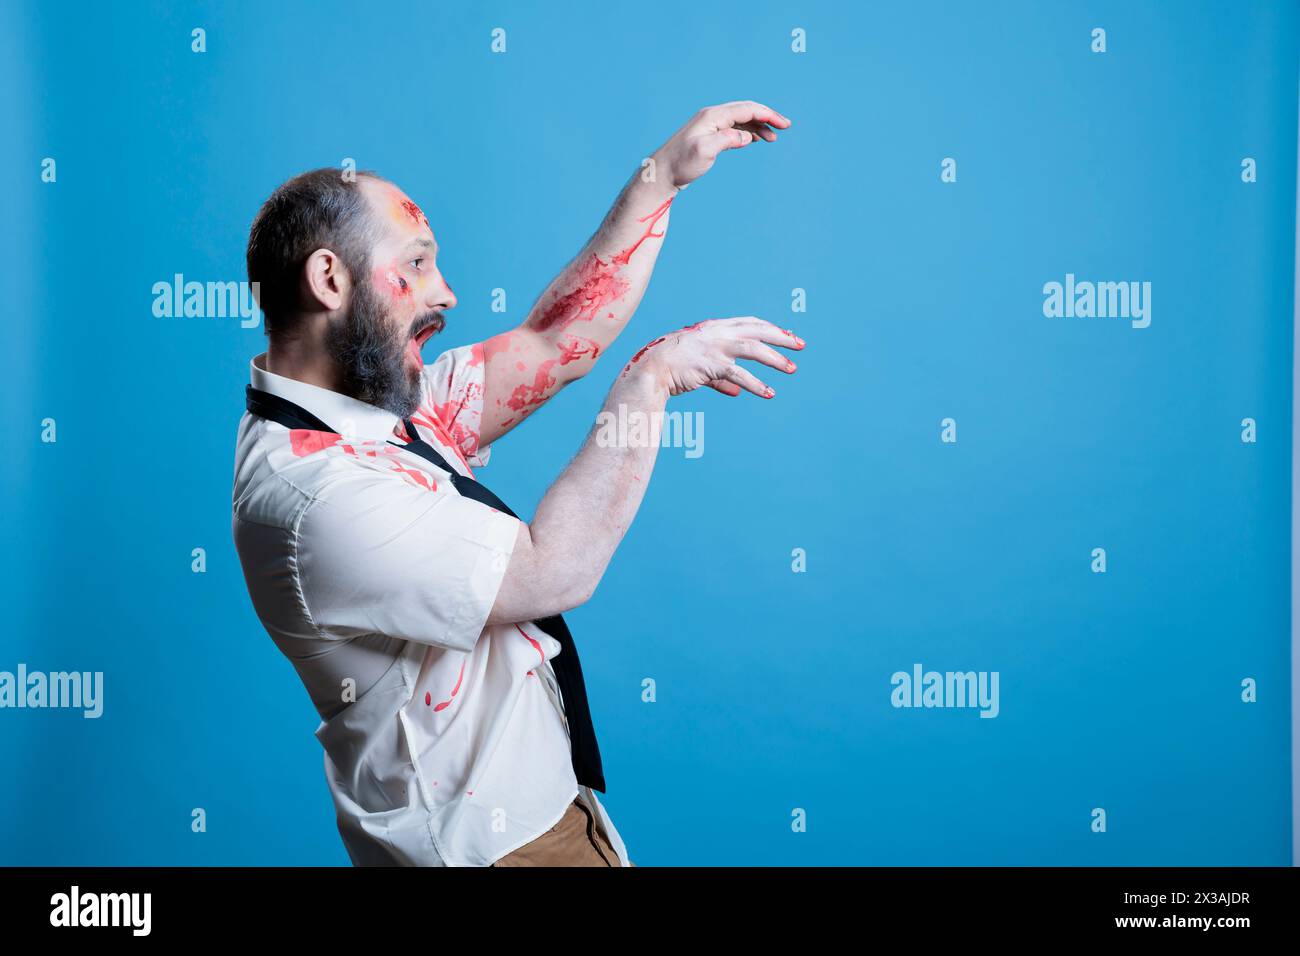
{"x":372,"y":355}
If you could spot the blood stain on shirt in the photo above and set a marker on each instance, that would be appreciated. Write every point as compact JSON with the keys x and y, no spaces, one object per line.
{"x":460,"y":438}
{"x":454,"y":691}
{"x":305,"y":441}
{"x":537,"y":647}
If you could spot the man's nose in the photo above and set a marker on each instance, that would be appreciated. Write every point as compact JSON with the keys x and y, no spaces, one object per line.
{"x":440,"y":294}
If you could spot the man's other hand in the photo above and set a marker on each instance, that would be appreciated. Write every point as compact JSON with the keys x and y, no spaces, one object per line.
{"x":692,"y":150}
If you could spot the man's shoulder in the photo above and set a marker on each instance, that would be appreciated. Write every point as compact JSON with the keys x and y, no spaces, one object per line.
{"x":280,"y":471}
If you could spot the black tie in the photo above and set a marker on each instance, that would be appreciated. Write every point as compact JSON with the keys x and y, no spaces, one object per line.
{"x":568,"y":670}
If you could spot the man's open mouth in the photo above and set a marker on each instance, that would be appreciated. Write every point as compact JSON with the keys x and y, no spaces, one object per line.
{"x":426,"y":332}
{"x":433,"y":327}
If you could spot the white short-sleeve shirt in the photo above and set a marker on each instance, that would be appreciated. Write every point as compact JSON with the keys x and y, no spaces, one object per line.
{"x":445,"y":739}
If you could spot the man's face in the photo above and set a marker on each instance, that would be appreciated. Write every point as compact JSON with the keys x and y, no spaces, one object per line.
{"x":395,"y":309}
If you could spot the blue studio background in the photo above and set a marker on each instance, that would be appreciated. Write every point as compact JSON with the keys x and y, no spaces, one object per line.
{"x":1119,"y":690}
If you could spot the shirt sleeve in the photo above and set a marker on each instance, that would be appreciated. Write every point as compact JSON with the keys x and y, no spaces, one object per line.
{"x":453,"y":396}
{"x":380,"y":556}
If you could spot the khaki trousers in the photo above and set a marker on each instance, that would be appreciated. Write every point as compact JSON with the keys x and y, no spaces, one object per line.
{"x":575,"y":841}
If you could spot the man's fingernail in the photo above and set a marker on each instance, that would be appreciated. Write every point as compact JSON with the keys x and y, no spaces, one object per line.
{"x":790,"y":366}
{"x":770,"y":392}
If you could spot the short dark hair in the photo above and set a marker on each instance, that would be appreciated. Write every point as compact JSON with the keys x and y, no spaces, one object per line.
{"x":322,"y":208}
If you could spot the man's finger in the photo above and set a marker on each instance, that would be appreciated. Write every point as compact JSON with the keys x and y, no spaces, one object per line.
{"x":745,"y":111}
{"x":764,"y":331}
{"x":769,"y":333}
{"x":729,"y":389}
{"x":715,"y":143}
{"x":748,"y":382}
{"x":756,"y":351}
{"x":759,"y":130}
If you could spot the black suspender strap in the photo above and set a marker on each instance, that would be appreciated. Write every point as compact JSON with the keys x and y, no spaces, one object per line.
{"x":281,"y":410}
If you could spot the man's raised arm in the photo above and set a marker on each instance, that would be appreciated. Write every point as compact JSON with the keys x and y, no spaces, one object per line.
{"x":585,"y":307}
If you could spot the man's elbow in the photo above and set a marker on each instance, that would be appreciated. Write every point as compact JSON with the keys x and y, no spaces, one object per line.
{"x":540,"y":583}
{"x":555,"y":597}
{"x":577,"y":590}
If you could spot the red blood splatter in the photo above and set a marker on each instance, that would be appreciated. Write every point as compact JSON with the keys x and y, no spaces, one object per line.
{"x":454,"y":691}
{"x":598,"y":285}
{"x":414,"y":212}
{"x":428,"y":698}
{"x":576,"y":348}
{"x":598,"y":282}
{"x":645,"y":348}
{"x":624,"y":257}
{"x":459,"y":438}
{"x":481,"y":352}
{"x":388,"y":276}
{"x":527,"y":395}
{"x":304,"y":441}
{"x":536,"y":646}
{"x":419,"y":477}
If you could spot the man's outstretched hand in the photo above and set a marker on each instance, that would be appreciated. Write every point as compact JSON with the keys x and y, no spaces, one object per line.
{"x":705,"y":354}
{"x":692,"y":150}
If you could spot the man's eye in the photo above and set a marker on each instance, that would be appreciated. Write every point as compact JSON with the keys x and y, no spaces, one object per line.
{"x":416,"y":263}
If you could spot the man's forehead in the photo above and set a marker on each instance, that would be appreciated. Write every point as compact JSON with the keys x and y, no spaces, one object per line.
{"x":398,"y":212}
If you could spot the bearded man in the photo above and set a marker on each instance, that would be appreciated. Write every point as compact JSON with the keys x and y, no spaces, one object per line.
{"x":422,"y":615}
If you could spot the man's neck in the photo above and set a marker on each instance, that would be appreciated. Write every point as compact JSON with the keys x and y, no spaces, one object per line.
{"x":303,"y":361}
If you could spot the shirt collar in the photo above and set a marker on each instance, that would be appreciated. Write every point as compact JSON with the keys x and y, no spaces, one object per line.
{"x":345,"y":415}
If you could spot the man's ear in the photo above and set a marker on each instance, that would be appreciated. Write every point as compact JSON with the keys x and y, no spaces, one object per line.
{"x":325,"y":282}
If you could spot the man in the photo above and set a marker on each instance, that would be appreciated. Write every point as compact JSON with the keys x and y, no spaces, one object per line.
{"x":420,"y":613}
